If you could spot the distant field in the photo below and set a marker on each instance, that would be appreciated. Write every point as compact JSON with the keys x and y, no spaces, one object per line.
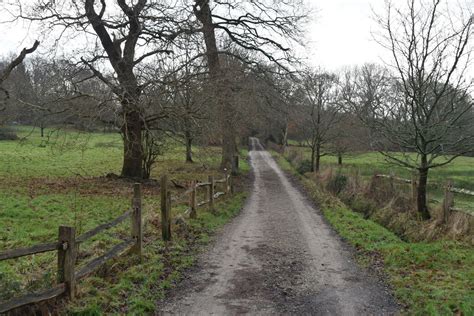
{"x":461,"y":171}
{"x":61,"y":180}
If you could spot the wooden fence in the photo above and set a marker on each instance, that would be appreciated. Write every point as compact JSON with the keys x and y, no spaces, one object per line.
{"x":67,"y":245}
{"x":448,"y":199}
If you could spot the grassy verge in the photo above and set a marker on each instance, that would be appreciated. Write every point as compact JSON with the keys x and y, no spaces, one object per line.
{"x":62,"y":179}
{"x":435,"y":278}
{"x":461,"y":171}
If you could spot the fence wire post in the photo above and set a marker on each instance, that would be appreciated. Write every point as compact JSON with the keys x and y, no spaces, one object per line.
{"x":67,"y":259}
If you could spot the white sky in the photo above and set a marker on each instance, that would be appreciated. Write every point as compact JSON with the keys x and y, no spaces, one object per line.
{"x":339,"y":35}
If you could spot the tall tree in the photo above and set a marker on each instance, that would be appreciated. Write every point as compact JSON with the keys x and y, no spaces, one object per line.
{"x":256,"y":26}
{"x":125,"y":34}
{"x":430,"y":43}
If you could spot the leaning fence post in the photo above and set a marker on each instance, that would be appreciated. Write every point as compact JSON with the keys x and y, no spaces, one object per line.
{"x":136,"y":219}
{"x":164,"y":208}
{"x":66,"y":259}
{"x":235,"y":165}
{"x":448,"y":201}
{"x":211,"y":192}
{"x":192,"y":200}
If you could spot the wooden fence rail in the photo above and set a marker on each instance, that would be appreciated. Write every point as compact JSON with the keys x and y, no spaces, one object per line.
{"x":448,"y":200}
{"x":191,"y":195}
{"x":452,"y":189}
{"x":21,"y":252}
{"x":67,"y":246}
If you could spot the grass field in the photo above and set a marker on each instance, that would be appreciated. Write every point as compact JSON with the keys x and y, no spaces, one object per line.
{"x":428,"y":278}
{"x":461,"y":171}
{"x":61,"y":180}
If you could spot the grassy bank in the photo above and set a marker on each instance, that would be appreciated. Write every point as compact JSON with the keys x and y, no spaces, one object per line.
{"x":62,"y":179}
{"x":435,"y":278}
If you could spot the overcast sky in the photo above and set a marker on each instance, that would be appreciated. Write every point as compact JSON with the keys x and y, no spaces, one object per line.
{"x":340,"y":33}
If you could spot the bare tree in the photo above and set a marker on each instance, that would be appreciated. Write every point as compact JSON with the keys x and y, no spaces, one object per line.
{"x":426,"y":110}
{"x":320,"y":111}
{"x":125,"y":35}
{"x":349,"y":136}
{"x":8,"y":70}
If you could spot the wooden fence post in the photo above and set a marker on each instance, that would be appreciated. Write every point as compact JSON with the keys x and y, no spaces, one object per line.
{"x":211,"y":192}
{"x":67,"y":259}
{"x":192,"y":200}
{"x":448,"y":201}
{"x":235,"y":165}
{"x":136,"y":219}
{"x":165,"y":222}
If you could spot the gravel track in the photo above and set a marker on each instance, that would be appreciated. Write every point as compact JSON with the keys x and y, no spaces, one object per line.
{"x":278,"y":256}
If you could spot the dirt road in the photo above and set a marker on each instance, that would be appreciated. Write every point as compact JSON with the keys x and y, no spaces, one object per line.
{"x":278,"y":257}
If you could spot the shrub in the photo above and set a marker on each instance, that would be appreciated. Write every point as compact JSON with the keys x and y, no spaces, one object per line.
{"x":363,"y":205}
{"x":337,"y":184}
{"x":7,"y":133}
{"x":304,"y":166}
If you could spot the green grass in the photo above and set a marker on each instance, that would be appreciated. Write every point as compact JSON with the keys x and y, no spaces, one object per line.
{"x":60,"y":180}
{"x":461,"y":171}
{"x":435,"y":278}
{"x":136,"y":289}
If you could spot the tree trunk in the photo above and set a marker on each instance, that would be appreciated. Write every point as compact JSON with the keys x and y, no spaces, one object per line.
{"x":312,"y":158}
{"x":318,"y":157}
{"x":228,"y":147}
{"x":132,"y":142}
{"x":189,"y":141}
{"x":421,"y":193}
{"x":339,"y":159}
{"x":284,"y":142}
{"x":203,"y":13}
